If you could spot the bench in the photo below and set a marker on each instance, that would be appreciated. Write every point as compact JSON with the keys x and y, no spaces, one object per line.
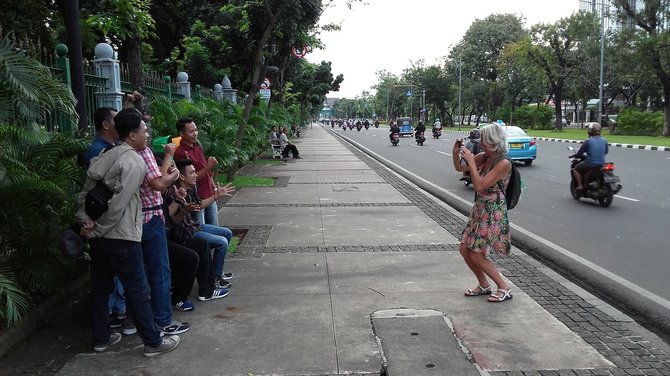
{"x":277,"y":150}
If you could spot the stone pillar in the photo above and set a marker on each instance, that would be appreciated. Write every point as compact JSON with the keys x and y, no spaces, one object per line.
{"x":228,"y":92}
{"x":218,"y":92}
{"x":184,"y":87}
{"x":108,"y":67}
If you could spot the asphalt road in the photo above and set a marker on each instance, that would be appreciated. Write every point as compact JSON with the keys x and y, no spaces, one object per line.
{"x":627,"y":239}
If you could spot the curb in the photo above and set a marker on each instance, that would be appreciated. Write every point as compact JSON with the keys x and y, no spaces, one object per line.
{"x":618,"y":145}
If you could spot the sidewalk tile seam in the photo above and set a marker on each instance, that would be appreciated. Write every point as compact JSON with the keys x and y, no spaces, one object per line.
{"x":523,"y":269}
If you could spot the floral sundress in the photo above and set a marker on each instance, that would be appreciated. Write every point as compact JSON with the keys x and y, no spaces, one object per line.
{"x":487,"y":229}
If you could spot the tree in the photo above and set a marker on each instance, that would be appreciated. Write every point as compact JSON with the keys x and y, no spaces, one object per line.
{"x":653,"y":40}
{"x":554,"y":48}
{"x":481,"y":49}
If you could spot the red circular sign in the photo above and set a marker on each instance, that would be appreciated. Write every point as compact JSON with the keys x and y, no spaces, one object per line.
{"x":299,"y":52}
{"x":266,"y":83}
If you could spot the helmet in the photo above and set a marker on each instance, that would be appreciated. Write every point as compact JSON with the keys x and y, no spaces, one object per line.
{"x":420,"y":122}
{"x":593,"y":128}
{"x":436,"y":120}
{"x":474,"y":134}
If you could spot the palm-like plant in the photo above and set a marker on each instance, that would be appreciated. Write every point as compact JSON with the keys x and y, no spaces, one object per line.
{"x":38,"y":179}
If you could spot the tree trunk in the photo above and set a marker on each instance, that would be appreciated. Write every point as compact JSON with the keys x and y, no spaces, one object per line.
{"x":133,"y":47}
{"x":558,"y":111}
{"x":70,"y":12}
{"x":255,"y":82}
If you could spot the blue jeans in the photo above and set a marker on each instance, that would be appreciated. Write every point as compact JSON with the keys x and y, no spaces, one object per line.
{"x":209,"y":215}
{"x":123,"y":258}
{"x":157,"y":265}
{"x":218,"y":238}
{"x":117,"y":299}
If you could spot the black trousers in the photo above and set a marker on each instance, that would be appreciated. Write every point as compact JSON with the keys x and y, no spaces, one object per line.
{"x":290,"y":148}
{"x":189,"y":261}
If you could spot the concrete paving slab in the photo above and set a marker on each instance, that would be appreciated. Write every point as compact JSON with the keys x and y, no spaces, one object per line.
{"x":381,"y":226}
{"x":279,"y":274}
{"x":239,"y":335}
{"x":300,"y":194}
{"x":518,"y":334}
{"x":292,"y":226}
{"x":341,"y":165}
{"x":359,"y":193}
{"x":421,"y":346}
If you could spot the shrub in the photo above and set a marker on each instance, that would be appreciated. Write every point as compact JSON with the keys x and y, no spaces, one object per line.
{"x":634,"y":122}
{"x":534,"y":116}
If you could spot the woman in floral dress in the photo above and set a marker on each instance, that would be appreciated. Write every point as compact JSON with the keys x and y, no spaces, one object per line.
{"x":487,"y":229}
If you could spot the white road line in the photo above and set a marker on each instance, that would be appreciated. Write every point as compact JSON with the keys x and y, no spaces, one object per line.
{"x":441,"y":152}
{"x":627,"y":198}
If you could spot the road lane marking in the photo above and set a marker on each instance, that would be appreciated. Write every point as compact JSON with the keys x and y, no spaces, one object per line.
{"x":627,"y":198}
{"x":596,"y":268}
{"x":441,"y":152}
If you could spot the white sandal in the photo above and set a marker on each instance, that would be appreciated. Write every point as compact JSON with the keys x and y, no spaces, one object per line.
{"x":482,"y":291}
{"x":506,"y":295}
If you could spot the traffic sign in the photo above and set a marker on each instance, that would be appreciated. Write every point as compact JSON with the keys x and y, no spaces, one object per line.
{"x":265,"y":93}
{"x":266,"y":83}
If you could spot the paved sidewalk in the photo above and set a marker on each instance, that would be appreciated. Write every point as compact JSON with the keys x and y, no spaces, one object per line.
{"x":348,"y":269}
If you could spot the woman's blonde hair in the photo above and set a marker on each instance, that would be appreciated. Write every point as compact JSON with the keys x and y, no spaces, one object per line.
{"x":495,"y":137}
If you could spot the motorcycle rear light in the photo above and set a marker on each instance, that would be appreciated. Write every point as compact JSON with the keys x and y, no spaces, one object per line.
{"x":532,"y":142}
{"x":609,"y":166}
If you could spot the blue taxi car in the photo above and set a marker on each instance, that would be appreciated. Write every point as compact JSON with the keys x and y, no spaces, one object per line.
{"x":521,"y":147}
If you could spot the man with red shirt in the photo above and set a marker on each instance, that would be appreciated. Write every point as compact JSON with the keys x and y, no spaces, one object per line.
{"x":190,"y":148}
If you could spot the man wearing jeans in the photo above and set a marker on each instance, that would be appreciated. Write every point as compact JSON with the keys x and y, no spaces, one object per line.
{"x":190,"y":148}
{"x":154,"y":241}
{"x":119,"y":232}
{"x":218,"y":237}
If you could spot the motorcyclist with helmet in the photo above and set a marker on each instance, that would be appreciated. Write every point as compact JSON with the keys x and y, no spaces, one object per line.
{"x":594,"y":150}
{"x":419,"y":130}
{"x":475,"y":148}
{"x":437,"y":125}
{"x":394,"y":129}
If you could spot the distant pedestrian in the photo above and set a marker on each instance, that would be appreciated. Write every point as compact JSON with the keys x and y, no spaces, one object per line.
{"x":487,"y":229}
{"x":287,"y":146}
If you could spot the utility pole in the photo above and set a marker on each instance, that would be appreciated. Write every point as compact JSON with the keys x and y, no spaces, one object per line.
{"x":602,"y":60}
{"x":459,"y":64}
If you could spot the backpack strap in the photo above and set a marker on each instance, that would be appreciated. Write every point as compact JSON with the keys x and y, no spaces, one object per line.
{"x":495,"y":161}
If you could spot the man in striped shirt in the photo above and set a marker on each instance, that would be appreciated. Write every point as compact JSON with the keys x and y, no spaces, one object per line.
{"x":154,"y":241}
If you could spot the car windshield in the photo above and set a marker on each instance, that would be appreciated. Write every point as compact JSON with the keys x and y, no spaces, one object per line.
{"x":515,"y":132}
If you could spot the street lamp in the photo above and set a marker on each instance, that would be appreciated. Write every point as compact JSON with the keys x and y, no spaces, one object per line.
{"x":602,"y":60}
{"x":459,"y":65}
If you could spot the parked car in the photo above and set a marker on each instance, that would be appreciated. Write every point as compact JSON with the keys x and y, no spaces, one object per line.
{"x":521,"y":147}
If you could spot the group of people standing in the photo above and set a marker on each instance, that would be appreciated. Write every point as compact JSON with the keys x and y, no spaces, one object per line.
{"x":161,"y":214}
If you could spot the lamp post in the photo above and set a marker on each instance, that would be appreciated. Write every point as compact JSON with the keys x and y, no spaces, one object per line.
{"x":602,"y":60}
{"x":459,"y":65}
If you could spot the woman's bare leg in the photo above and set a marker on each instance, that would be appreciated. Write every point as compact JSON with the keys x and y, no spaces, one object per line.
{"x":473,"y":265}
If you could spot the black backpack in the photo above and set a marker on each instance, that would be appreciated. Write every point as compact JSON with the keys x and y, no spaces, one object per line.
{"x":514,"y":186}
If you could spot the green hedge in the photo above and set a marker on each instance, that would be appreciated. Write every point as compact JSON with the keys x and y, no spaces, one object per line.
{"x":534,"y":116}
{"x":634,"y":122}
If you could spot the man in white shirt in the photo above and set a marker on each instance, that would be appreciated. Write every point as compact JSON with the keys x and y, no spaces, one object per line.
{"x":287,"y":145}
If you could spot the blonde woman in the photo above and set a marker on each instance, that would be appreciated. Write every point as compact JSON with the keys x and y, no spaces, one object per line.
{"x":487,"y":229}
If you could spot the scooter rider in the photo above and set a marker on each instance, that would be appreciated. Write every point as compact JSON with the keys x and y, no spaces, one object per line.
{"x":475,"y":148}
{"x":594,"y":149}
{"x":419,"y":130}
{"x":437,"y":125}
{"x":394,"y":129}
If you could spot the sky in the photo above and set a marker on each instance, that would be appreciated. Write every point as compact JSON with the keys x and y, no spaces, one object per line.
{"x":389,"y":34}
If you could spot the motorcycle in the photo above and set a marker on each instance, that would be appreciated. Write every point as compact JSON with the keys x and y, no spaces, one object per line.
{"x":419,"y":138}
{"x":395,"y":139}
{"x":600,"y":184}
{"x":376,"y":124}
{"x":358,"y":127}
{"x":367,"y":126}
{"x":437,"y":132}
